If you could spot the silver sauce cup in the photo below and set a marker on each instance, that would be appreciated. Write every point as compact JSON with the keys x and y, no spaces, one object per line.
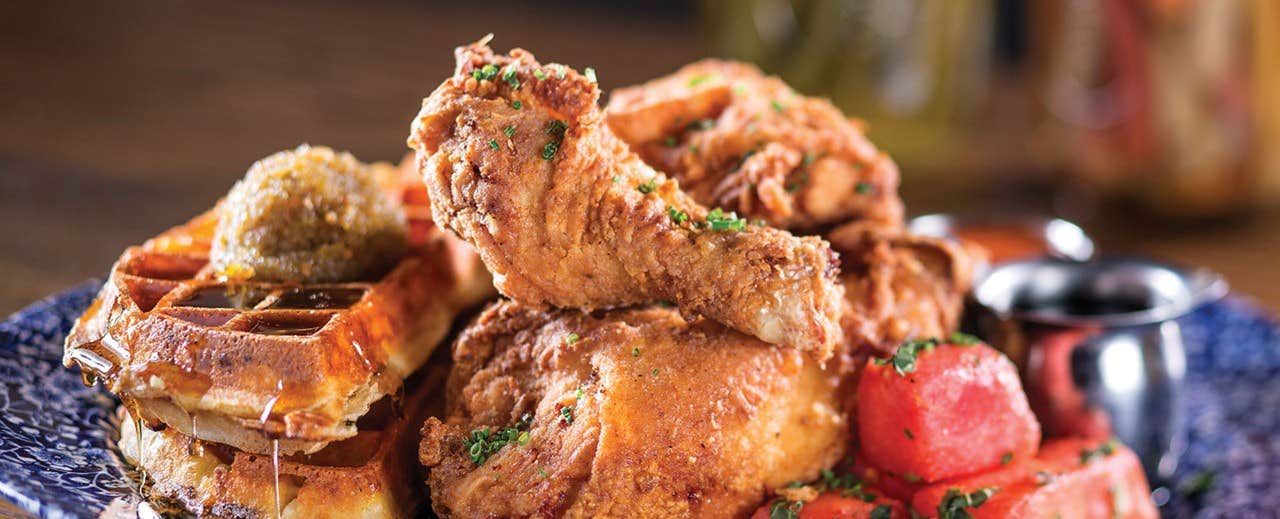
{"x":1099,"y":346}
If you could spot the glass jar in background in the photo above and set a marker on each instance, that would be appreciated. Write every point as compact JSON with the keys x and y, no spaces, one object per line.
{"x":1174,"y":104}
{"x":917,"y":71}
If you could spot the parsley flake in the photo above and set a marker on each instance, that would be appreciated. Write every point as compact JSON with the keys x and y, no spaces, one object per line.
{"x":700,"y":79}
{"x":718,"y":220}
{"x":509,"y":131}
{"x":572,"y":338}
{"x":1007,"y":458}
{"x":954,"y":503}
{"x":635,"y":352}
{"x":485,"y":73}
{"x":1090,"y":455}
{"x":517,"y":104}
{"x":648,"y":187}
{"x":703,"y":124}
{"x":881,"y":512}
{"x":538,"y":73}
{"x":783,"y":509}
{"x":677,"y":215}
{"x":549,"y":150}
{"x":509,"y":75}
{"x":493,"y":144}
{"x":556,"y":128}
{"x":809,"y":157}
{"x":864,"y":188}
{"x":963,"y":339}
{"x":671,"y":141}
{"x":777,"y":106}
{"x":904,"y":358}
{"x":566,"y":414}
{"x":482,"y":443}
{"x":542,"y":473}
{"x":908,"y":433}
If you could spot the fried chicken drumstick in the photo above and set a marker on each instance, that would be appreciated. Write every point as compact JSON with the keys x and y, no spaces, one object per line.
{"x":520,"y":163}
{"x":748,"y":142}
{"x":558,"y":414}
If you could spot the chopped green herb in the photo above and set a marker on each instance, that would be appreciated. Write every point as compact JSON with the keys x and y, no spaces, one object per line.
{"x":655,"y":372}
{"x":795,"y":484}
{"x":493,"y":144}
{"x":666,"y":304}
{"x":954,"y":503}
{"x":718,"y":220}
{"x":777,"y":106}
{"x":573,"y":337}
{"x":635,"y":352}
{"x":538,"y":73}
{"x":703,"y":124}
{"x":509,"y":131}
{"x":1089,"y":455}
{"x":485,"y":73}
{"x":677,"y":215}
{"x":556,"y":128}
{"x":590,"y":73}
{"x":801,"y":179}
{"x":1197,"y":484}
{"x":694,"y":149}
{"x":908,"y":433}
{"x":542,"y":473}
{"x":617,"y":179}
{"x":517,"y":104}
{"x":912,"y":478}
{"x":783,"y":509}
{"x":671,"y":141}
{"x":759,"y":222}
{"x":881,"y":512}
{"x":1008,"y":457}
{"x":560,"y":70}
{"x":578,"y":393}
{"x":809,"y":157}
{"x":864,"y":188}
{"x":566,"y":414}
{"x":904,"y":358}
{"x":963,"y":339}
{"x":509,"y":75}
{"x":482,"y":443}
{"x":700,"y":79}
{"x":549,"y":150}
{"x":1043,"y":478}
{"x":648,"y":187}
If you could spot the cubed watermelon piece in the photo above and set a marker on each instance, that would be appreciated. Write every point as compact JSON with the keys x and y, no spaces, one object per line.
{"x":834,"y":505}
{"x":1069,"y":479}
{"x":939,"y":411}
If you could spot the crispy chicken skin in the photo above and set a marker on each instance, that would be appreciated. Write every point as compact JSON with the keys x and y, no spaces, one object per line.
{"x":900,"y":286}
{"x":669,"y":418}
{"x":747,"y":142}
{"x":520,"y":163}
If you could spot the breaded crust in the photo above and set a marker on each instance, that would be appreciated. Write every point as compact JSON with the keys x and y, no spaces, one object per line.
{"x":666,"y":417}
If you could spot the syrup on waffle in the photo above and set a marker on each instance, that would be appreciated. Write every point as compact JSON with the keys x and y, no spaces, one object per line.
{"x":254,"y":362}
{"x":371,"y":474}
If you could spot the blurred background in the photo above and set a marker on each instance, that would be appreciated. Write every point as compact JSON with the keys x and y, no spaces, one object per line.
{"x":1154,"y":124}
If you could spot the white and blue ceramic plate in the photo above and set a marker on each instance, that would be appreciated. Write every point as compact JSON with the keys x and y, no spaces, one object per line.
{"x":58,"y":458}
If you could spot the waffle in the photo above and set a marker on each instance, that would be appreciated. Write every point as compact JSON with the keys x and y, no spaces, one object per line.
{"x":372,"y":474}
{"x":242,"y":363}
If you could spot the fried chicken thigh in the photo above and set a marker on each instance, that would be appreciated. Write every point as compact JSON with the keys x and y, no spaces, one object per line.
{"x":520,"y":163}
{"x":747,"y":142}
{"x":625,"y":413}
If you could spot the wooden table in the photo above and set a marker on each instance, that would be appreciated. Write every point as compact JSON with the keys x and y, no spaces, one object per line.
{"x":117,"y":122}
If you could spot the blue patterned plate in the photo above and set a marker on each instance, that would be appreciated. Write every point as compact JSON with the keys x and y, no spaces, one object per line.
{"x":58,"y":459}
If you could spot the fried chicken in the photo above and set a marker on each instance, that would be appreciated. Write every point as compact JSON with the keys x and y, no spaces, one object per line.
{"x":900,"y":286}
{"x":747,"y":142}
{"x":520,"y":163}
{"x":625,"y":413}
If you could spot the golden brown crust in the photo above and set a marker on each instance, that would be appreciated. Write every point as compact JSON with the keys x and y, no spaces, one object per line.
{"x":575,"y":230}
{"x":669,"y":417}
{"x":741,"y":140}
{"x":266,"y":369}
{"x":901,"y":286}
{"x":373,"y":474}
